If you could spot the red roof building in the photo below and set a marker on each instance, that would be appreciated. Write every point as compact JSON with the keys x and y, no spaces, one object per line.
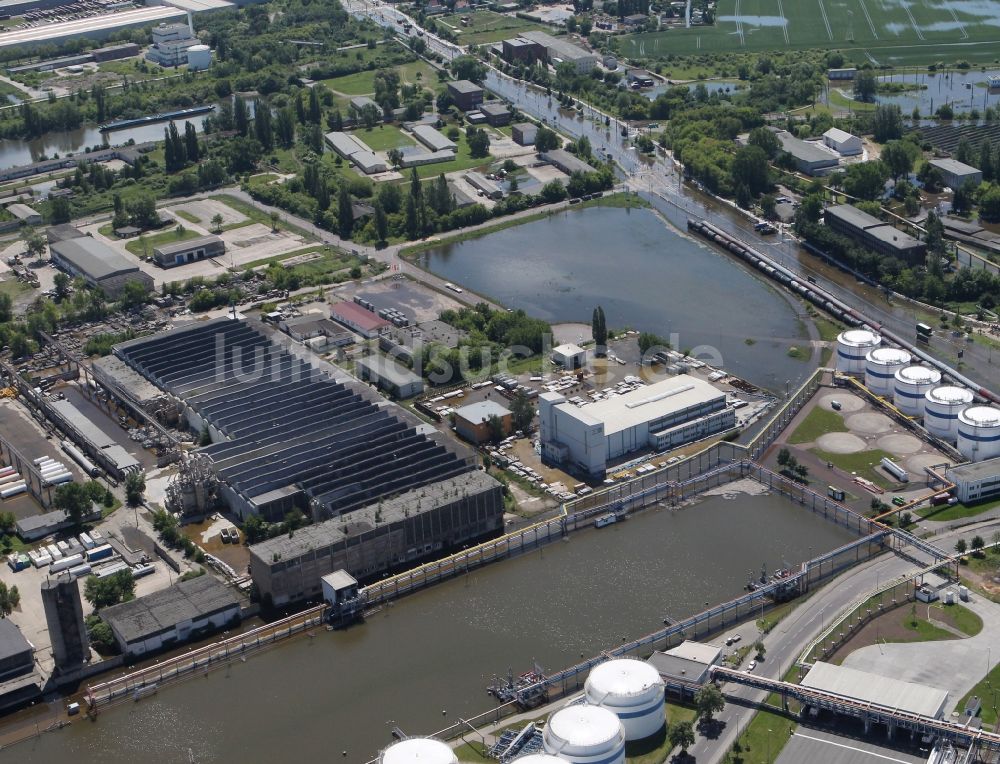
{"x":358,"y":319}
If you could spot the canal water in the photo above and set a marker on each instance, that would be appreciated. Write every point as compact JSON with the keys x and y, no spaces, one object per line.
{"x":436,"y":651}
{"x":645,"y":274}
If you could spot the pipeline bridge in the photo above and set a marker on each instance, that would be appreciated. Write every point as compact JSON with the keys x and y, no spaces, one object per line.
{"x":868,"y":712}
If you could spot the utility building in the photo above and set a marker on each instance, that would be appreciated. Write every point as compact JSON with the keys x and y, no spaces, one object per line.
{"x":389,"y":375}
{"x":190,"y":251}
{"x":842,"y":142}
{"x":976,"y":482}
{"x":466,"y":95}
{"x":472,"y":422}
{"x":957,"y":174}
{"x":660,"y":416}
{"x":883,"y":238}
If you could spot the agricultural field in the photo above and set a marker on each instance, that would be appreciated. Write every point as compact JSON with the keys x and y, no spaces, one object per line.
{"x":487,"y":26}
{"x":884,"y":32}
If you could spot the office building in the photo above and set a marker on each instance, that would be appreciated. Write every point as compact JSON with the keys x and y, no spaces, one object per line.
{"x":976,"y":482}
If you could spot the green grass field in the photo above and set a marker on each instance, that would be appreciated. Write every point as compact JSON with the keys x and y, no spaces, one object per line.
{"x":817,"y":422}
{"x":956,"y":511}
{"x":487,"y":26}
{"x":864,"y":463}
{"x":145,"y":244}
{"x":882,"y":31}
{"x":384,"y":137}
{"x":363,"y":83}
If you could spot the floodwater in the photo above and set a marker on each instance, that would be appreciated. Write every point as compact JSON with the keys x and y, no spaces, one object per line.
{"x":645,"y":274}
{"x":436,"y":651}
{"x":711,"y":86}
{"x":15,"y":152}
{"x":964,"y":91}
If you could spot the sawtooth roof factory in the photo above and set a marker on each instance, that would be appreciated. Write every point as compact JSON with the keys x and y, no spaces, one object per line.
{"x":291,"y":432}
{"x":660,"y":416}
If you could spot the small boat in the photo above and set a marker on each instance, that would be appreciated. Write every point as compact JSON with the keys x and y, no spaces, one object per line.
{"x":605,"y":520}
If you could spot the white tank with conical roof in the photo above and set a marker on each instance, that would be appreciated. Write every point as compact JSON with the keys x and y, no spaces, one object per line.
{"x":979,"y":432}
{"x":633,"y":691}
{"x":910,"y":387}
{"x":584,"y":734}
{"x":942,"y":406}
{"x":418,"y":750}
{"x":881,"y":365}
{"x":853,"y":347}
{"x":199,"y":57}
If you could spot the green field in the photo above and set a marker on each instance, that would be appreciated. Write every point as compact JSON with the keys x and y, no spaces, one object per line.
{"x":487,"y":26}
{"x":143,"y":245}
{"x":864,"y":463}
{"x":818,"y":422}
{"x":384,"y":137}
{"x":363,"y":83}
{"x":881,"y":31}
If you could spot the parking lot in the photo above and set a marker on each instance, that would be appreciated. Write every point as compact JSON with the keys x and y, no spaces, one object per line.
{"x":819,"y":747}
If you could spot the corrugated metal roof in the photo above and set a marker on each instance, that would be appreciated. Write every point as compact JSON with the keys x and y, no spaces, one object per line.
{"x":873,"y":688}
{"x":92,"y":257}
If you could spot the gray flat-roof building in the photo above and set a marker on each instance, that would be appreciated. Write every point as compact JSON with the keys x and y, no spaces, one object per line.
{"x":976,"y":482}
{"x":466,"y":95}
{"x":809,"y":156}
{"x":415,"y":159}
{"x":173,"y":615}
{"x":17,"y":656}
{"x":432,"y":138}
{"x":496,"y":112}
{"x":356,"y":151}
{"x":97,"y":443}
{"x":98,"y":264}
{"x":568,"y":163}
{"x":524,"y":133}
{"x":956,"y":174}
{"x":192,"y":250}
{"x":25,"y":214}
{"x":391,"y":533}
{"x":865,"y":687}
{"x":472,"y":422}
{"x":560,"y":51}
{"x":878,"y":236}
{"x":389,"y":375}
{"x":480,"y":182}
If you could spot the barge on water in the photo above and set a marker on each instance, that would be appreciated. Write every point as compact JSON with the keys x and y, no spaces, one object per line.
{"x":152,"y":118}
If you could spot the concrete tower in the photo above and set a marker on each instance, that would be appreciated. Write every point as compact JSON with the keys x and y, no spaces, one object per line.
{"x":64,"y":617}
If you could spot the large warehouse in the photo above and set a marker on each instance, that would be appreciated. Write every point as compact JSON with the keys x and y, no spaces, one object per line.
{"x":98,"y":264}
{"x":384,"y":535}
{"x":290,"y":431}
{"x":663,"y":415}
{"x":885,"y":691}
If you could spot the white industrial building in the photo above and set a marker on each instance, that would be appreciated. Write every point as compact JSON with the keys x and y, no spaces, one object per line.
{"x":979,"y":433}
{"x":433,"y":139}
{"x":942,"y":405}
{"x":585,"y":735}
{"x":853,"y":347}
{"x":687,"y":664}
{"x":560,"y":51}
{"x":569,"y":356}
{"x":633,"y":691}
{"x":866,"y":687}
{"x":356,"y":151}
{"x":976,"y":482}
{"x":842,"y":142}
{"x":660,"y":416}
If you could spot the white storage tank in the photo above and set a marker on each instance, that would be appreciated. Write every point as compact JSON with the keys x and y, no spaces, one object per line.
{"x":633,"y":691}
{"x":853,"y":347}
{"x":941,"y":408}
{"x":912,"y":384}
{"x":199,"y":57}
{"x":539,"y":758}
{"x":585,"y":735}
{"x":979,"y":432}
{"x":881,"y":365}
{"x":418,"y":750}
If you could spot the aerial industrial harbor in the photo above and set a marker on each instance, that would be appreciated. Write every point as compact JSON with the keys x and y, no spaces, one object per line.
{"x":406,"y":383}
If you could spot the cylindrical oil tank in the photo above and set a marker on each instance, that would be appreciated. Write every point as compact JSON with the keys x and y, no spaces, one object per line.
{"x":633,"y":691}
{"x":979,"y":432}
{"x":881,"y":365}
{"x":853,"y":347}
{"x":585,"y":735}
{"x":418,"y":750}
{"x":912,"y":384}
{"x":199,"y":57}
{"x":941,"y":408}
{"x":539,"y":758}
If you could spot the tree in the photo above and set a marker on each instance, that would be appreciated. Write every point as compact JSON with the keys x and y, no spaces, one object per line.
{"x":61,"y":285}
{"x":766,"y":140}
{"x":59,"y":211}
{"x":887,"y":122}
{"x":263,"y":128}
{"x":468,"y":68}
{"x":275,"y":218}
{"x":255,"y":529}
{"x":522,"y":412}
{"x":977,"y":546}
{"x":135,"y":486}
{"x":191,"y":143}
{"x":759,"y":649}
{"x":649,"y":341}
{"x":72,"y":499}
{"x":34,"y":244}
{"x":10,"y":598}
{"x":750,"y":169}
{"x":6,"y":307}
{"x":897,"y":158}
{"x":381,"y":222}
{"x":495,"y":425}
{"x":205,"y":438}
{"x":479,"y":144}
{"x":709,"y":701}
{"x":784,"y":457}
{"x":599,"y":328}
{"x":395,"y":157}
{"x":345,"y":213}
{"x":241,"y":119}
{"x":961,"y":547}
{"x":546,"y":140}
{"x":866,"y":180}
{"x":105,"y":592}
{"x":217,"y":222}
{"x":865,"y":86}
{"x":682,"y":735}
